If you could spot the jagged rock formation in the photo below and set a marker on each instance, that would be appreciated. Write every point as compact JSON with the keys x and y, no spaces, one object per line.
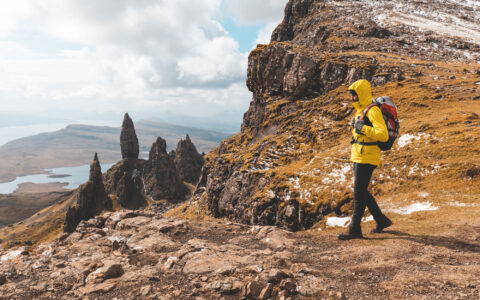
{"x":128,"y":139}
{"x":90,"y":199}
{"x":162,"y":180}
{"x":131,"y":180}
{"x":124,"y":181}
{"x":289,"y":165}
{"x":188,"y":161}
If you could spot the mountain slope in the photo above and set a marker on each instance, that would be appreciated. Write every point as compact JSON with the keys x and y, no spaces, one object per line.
{"x":289,"y":166}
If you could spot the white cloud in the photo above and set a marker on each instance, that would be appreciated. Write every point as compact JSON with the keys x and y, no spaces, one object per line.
{"x":251,"y":12}
{"x":265,"y":33}
{"x":119,"y":55}
{"x":269,"y":13}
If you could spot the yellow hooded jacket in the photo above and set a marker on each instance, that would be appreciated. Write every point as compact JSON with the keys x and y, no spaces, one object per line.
{"x":367,"y":154}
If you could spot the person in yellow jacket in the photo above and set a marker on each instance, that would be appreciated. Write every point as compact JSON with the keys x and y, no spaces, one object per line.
{"x":365,"y":157}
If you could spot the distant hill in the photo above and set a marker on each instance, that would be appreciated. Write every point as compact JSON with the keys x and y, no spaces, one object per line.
{"x":75,"y":145}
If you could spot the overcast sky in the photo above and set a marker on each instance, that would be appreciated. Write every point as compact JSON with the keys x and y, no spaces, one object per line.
{"x":92,"y":59}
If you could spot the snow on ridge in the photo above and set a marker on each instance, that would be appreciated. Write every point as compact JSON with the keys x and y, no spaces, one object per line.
{"x":407,"y":138}
{"x":429,"y":18}
{"x":337,"y":175}
{"x":12,"y":254}
{"x":463,"y":29}
{"x":338,"y":221}
{"x":344,"y":221}
{"x":415,"y":207}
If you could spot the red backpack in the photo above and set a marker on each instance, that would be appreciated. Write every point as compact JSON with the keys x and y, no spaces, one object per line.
{"x":390,"y":115}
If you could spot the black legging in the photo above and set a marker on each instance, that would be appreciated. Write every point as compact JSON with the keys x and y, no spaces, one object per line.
{"x":363,"y":174}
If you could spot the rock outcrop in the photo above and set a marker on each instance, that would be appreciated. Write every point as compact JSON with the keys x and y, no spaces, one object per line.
{"x":124,"y":181}
{"x":294,"y":11}
{"x":128,"y":139}
{"x":90,"y":199}
{"x":162,"y":180}
{"x":188,"y":161}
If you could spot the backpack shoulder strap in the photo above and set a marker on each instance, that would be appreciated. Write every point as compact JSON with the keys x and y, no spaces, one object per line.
{"x":365,"y":111}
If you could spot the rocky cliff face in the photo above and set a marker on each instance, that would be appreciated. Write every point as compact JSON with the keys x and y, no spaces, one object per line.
{"x":90,"y":199}
{"x":162,"y":181}
{"x":128,"y":139}
{"x":289,"y":165}
{"x":188,"y":161}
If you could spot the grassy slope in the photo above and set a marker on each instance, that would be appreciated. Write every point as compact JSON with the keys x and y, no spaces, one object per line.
{"x":304,"y":146}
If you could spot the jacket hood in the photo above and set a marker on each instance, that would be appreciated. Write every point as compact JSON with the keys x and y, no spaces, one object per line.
{"x":363,"y":89}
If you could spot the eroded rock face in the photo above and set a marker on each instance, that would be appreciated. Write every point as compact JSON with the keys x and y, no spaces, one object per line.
{"x":162,"y":180}
{"x":124,"y":181}
{"x":128,"y":139}
{"x":90,"y":199}
{"x":188,"y":161}
{"x":287,"y":70}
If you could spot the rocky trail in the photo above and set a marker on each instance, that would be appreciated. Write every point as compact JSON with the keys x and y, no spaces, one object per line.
{"x":143,"y":254}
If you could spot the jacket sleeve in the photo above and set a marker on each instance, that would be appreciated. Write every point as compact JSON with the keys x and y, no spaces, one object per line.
{"x":379,"y":130}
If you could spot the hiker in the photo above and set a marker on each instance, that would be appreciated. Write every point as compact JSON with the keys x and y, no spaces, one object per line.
{"x":365,"y":157}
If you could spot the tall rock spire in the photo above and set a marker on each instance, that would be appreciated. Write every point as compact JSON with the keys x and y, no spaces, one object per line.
{"x":90,"y":199}
{"x":128,"y":139}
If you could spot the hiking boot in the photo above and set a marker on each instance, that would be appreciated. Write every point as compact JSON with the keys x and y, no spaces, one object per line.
{"x":381,"y":226}
{"x":349,"y":236}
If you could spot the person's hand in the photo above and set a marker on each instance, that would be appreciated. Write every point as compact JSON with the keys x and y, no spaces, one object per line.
{"x":359,"y":125}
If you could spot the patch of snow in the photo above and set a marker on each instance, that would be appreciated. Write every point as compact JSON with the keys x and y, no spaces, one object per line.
{"x":413,"y":170}
{"x":460,"y":204}
{"x":338,"y":175}
{"x":12,"y":255}
{"x":295,"y":182}
{"x":117,"y":239}
{"x":424,"y":194}
{"x":338,"y":221}
{"x":416,"y":207}
{"x":406,"y":139}
{"x":344,"y":221}
{"x":457,"y":204}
